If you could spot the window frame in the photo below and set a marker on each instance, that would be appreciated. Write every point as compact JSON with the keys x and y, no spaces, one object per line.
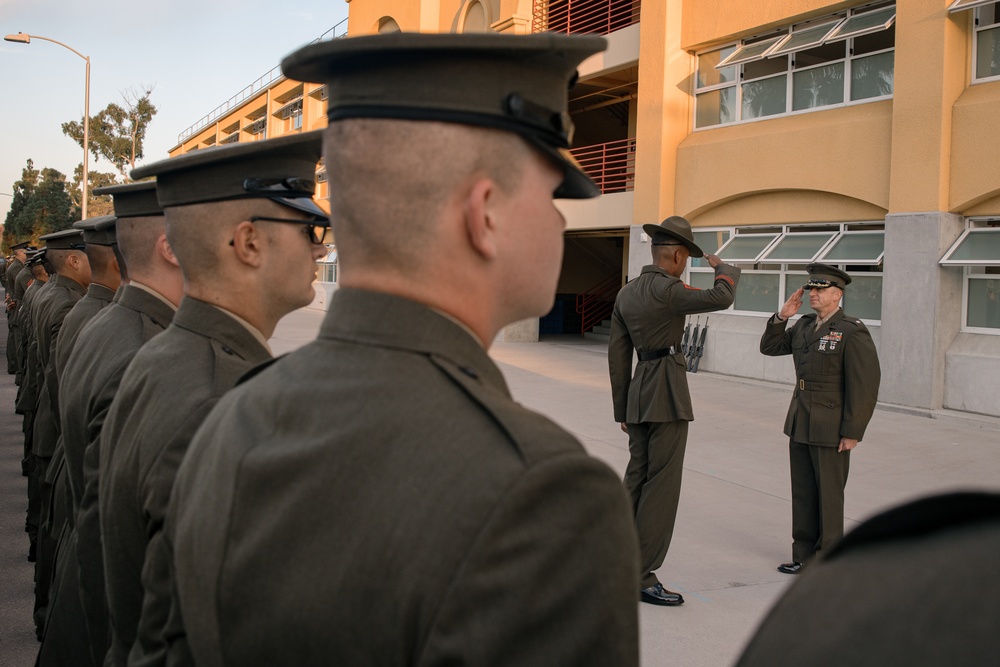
{"x":976,"y":32}
{"x":798,"y":272}
{"x":973,"y":270}
{"x":739,"y":80}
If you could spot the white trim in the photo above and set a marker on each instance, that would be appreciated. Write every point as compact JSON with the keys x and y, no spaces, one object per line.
{"x":747,"y":260}
{"x":739,"y":57}
{"x":947,"y":261}
{"x":842,"y":32}
{"x":976,"y":31}
{"x":870,"y":261}
{"x":767,"y":259}
{"x":780,"y":50}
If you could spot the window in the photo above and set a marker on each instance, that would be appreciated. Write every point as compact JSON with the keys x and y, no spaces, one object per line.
{"x":291,"y":114}
{"x":986,"y":43}
{"x":832,"y":61}
{"x":328,"y":267}
{"x":977,"y":250}
{"x":774,"y":261}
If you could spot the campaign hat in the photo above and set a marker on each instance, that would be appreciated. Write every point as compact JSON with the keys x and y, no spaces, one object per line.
{"x":671,"y":231}
{"x":517,"y":83}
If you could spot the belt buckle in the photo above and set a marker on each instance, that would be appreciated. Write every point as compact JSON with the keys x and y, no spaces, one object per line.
{"x":802,"y":385}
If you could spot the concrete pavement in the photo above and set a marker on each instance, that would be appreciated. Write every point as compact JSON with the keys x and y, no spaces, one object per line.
{"x":734,"y":522}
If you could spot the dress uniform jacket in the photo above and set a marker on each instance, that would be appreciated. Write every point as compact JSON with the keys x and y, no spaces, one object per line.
{"x":98,"y":297}
{"x":916,"y":585}
{"x":169,"y":387}
{"x":27,"y":397}
{"x":649,"y":316}
{"x":9,"y":276}
{"x":21,"y":282}
{"x":383,"y":498}
{"x":837,"y":377}
{"x":51,"y":311}
{"x":88,"y":386}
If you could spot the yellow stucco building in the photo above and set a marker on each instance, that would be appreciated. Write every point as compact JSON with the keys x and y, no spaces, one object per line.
{"x":860,"y":134}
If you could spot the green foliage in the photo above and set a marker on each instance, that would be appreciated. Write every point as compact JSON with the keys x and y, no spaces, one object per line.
{"x":41,"y":205}
{"x":117,"y":132}
{"x":96,"y":206}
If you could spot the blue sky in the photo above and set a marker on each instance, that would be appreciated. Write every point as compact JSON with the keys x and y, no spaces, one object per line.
{"x":196,"y":53}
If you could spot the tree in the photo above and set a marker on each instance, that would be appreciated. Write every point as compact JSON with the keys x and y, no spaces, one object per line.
{"x":41,"y":206}
{"x":117,"y":132}
{"x":96,"y":206}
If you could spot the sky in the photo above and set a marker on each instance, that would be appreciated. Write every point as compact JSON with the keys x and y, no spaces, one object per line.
{"x":196,"y":54}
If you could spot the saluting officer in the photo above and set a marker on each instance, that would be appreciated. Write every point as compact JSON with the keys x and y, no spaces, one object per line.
{"x":377,"y":491}
{"x":654,"y":406}
{"x":837,"y":377}
{"x":246,"y":232}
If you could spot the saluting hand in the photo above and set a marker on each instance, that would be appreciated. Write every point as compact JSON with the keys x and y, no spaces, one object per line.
{"x":713,"y":260}
{"x":792,"y":305}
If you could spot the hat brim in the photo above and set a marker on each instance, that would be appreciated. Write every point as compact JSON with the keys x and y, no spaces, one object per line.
{"x":652,"y":230}
{"x":304,"y":205}
{"x":576,"y":184}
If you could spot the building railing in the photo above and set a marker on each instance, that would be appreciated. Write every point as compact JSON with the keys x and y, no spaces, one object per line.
{"x":262,"y":83}
{"x":597,"y":303}
{"x":611,"y":165}
{"x":591,"y":16}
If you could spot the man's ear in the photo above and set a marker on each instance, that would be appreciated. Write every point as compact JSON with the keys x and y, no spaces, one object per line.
{"x":165,"y":251}
{"x":480,"y":217}
{"x":247,"y":242}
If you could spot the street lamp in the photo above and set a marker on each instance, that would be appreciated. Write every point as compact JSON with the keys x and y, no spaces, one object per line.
{"x":24,"y":38}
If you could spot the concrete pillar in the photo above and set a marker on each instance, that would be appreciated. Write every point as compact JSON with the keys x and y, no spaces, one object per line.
{"x":921,"y":307}
{"x":638,"y":251}
{"x":525,"y":331}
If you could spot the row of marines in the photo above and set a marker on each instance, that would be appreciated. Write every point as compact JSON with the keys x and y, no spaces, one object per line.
{"x":375,"y":497}
{"x":182,"y":521}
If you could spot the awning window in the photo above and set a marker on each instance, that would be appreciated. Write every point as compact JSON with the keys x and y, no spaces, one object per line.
{"x":961,"y":5}
{"x":745,"y":248}
{"x":863,"y":24}
{"x":855,"y":248}
{"x":749,"y":52}
{"x":797,"y":248}
{"x":978,"y":246}
{"x":800,"y":40}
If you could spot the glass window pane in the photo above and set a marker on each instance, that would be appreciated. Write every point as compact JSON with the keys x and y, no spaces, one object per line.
{"x":702,"y":279}
{"x":804,"y":39}
{"x":980,"y":245}
{"x":818,"y":87}
{"x":796,"y":248}
{"x":984,"y":303}
{"x":715,"y":107}
{"x":749,"y":52}
{"x":989,"y":14}
{"x":766,"y":67}
{"x":764,"y":98}
{"x":858,"y":248}
{"x":863,"y":23}
{"x":708,"y":75}
{"x":710,"y":242}
{"x":746,"y":247}
{"x":821,"y":54}
{"x":872,"y":76}
{"x":988,"y":53}
{"x":876,"y":41}
{"x":793,"y":281}
{"x":863,"y":297}
{"x":758,"y":292}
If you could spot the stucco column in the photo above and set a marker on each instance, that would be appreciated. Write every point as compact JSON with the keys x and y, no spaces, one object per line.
{"x":663,"y":109}
{"x":525,"y":331}
{"x":921,"y":307}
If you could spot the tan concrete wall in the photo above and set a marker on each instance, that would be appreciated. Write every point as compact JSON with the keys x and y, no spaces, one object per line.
{"x":364,"y":15}
{"x":837,"y":158}
{"x":975,"y":151}
{"x":719,"y":21}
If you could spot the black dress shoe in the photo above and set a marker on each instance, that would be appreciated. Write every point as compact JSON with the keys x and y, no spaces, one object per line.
{"x":790,"y":568}
{"x":657,"y":594}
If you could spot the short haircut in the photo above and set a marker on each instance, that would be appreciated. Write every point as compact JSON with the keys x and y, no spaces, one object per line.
{"x":390,"y":179}
{"x":137,"y":239}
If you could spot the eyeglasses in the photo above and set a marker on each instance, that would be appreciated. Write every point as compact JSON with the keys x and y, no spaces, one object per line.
{"x":318,"y":231}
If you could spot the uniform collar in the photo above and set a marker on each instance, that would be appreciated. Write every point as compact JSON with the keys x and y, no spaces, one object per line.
{"x":212,"y":322}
